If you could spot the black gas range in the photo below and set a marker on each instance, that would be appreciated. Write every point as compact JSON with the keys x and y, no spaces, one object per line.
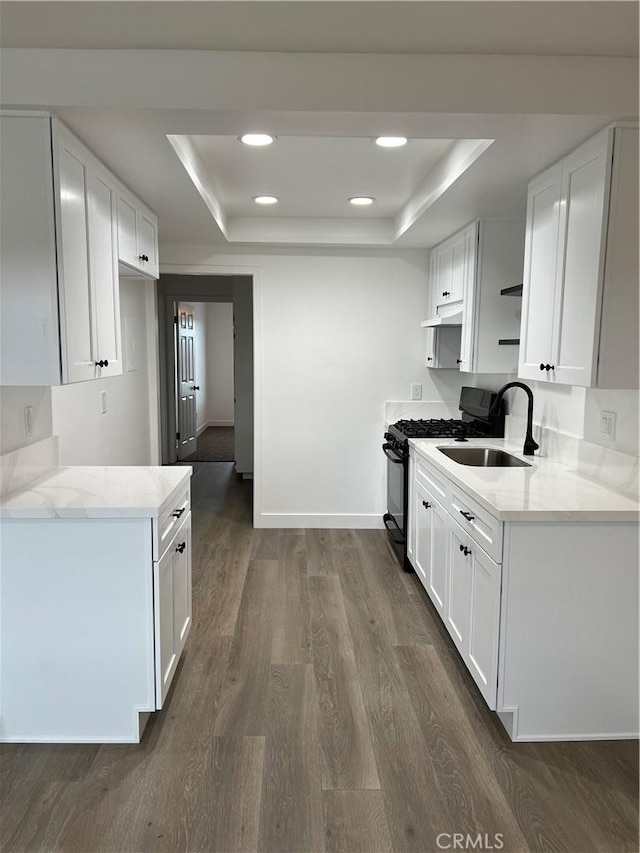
{"x":477,"y":421}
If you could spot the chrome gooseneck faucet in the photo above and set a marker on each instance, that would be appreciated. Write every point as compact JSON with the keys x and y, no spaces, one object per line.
{"x":529,"y":444}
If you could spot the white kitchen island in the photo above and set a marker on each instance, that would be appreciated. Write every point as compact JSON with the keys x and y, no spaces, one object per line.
{"x":534,"y":573}
{"x":95,"y":601}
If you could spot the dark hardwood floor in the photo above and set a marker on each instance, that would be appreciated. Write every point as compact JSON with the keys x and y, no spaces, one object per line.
{"x":319,"y":706}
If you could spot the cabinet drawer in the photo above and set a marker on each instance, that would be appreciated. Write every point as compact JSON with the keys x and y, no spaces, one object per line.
{"x":169,"y":521}
{"x":477,"y":523}
{"x":425,"y":475}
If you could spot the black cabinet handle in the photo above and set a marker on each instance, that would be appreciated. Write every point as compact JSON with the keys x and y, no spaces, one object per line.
{"x":143,"y":258}
{"x":178,"y":512}
{"x":446,"y":293}
{"x":466,"y":551}
{"x":467,"y":515}
{"x":102,"y":363}
{"x":426,"y":504}
{"x":180,"y":548}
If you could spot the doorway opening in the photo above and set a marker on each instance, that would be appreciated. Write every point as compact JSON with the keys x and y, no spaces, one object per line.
{"x":206,"y":369}
{"x":205,"y":391}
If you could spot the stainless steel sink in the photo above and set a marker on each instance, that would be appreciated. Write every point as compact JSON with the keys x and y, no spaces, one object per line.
{"x":483,"y":457}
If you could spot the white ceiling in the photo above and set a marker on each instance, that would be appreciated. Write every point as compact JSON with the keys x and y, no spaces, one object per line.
{"x":322,"y":158}
{"x":540,"y":28}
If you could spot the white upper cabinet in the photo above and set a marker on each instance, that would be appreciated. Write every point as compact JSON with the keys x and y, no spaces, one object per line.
{"x":580,"y":296}
{"x":88,"y":291}
{"x":137,"y":237}
{"x":483,"y":259}
{"x":60,"y":309}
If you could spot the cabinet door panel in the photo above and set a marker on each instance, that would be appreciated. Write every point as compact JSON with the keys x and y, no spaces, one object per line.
{"x":127,"y":240}
{"x":457,"y":268}
{"x":437,"y":580}
{"x":78,"y":331}
{"x":104,"y":271}
{"x":166,"y":657}
{"x":540,"y":257}
{"x":482,"y":655}
{"x":422,"y":564}
{"x":458,"y":601}
{"x":444,"y":271}
{"x":147,"y":242}
{"x":581,"y":264}
{"x":182,"y":587}
{"x":469,"y":295}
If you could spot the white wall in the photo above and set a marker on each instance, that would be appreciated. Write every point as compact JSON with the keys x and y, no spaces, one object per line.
{"x":338,"y":334}
{"x":13,"y":401}
{"x":122,"y":436}
{"x":219,"y":344}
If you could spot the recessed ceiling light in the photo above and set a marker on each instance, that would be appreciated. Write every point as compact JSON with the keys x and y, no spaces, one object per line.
{"x":391,"y":141}
{"x":265,"y":199}
{"x":257,"y":139}
{"x":361,"y":200}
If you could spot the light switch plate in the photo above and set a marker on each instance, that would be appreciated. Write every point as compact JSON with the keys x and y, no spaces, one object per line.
{"x":416,"y":391}
{"x":608,"y":425}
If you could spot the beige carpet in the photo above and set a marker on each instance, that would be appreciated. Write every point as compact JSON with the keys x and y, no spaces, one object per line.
{"x":215,"y":444}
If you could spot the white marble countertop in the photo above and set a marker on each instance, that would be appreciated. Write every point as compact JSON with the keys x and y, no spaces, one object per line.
{"x":546,"y":491}
{"x":97,"y":492}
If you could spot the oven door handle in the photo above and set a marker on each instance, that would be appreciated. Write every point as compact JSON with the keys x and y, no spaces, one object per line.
{"x":385,"y":449}
{"x":389,"y":520}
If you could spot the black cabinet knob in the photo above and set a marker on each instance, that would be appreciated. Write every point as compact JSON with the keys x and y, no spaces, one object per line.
{"x":446,"y":293}
{"x":195,"y":387}
{"x":177,"y":512}
{"x":102,"y":363}
{"x":541,"y":366}
{"x":143,"y":258}
{"x":180,"y":548}
{"x":547,"y":367}
{"x":429,"y":358}
{"x":467,"y":515}
{"x":458,"y":361}
{"x":466,"y":551}
{"x":426,"y":504}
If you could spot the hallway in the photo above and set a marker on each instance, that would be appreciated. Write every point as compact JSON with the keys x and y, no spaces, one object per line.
{"x":319,"y":705}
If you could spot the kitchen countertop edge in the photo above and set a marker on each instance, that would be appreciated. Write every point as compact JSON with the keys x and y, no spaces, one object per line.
{"x":623,"y":506}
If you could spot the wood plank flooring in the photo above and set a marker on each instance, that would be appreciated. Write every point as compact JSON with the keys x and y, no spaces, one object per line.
{"x":319,"y":706}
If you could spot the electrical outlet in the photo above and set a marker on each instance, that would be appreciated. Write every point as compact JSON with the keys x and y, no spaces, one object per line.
{"x":103,"y":402}
{"x":416,"y":391}
{"x":28,"y":420}
{"x":608,"y":425}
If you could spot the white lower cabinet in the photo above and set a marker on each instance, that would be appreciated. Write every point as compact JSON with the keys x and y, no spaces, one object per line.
{"x":473,"y":608}
{"x":94,"y":615}
{"x":172,"y":611}
{"x":545,"y":622}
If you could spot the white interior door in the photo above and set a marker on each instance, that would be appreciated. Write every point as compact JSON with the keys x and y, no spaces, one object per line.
{"x":186,"y":384}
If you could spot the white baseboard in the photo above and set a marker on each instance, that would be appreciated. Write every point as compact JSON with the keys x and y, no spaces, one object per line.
{"x":208,"y":424}
{"x":318,"y":520}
